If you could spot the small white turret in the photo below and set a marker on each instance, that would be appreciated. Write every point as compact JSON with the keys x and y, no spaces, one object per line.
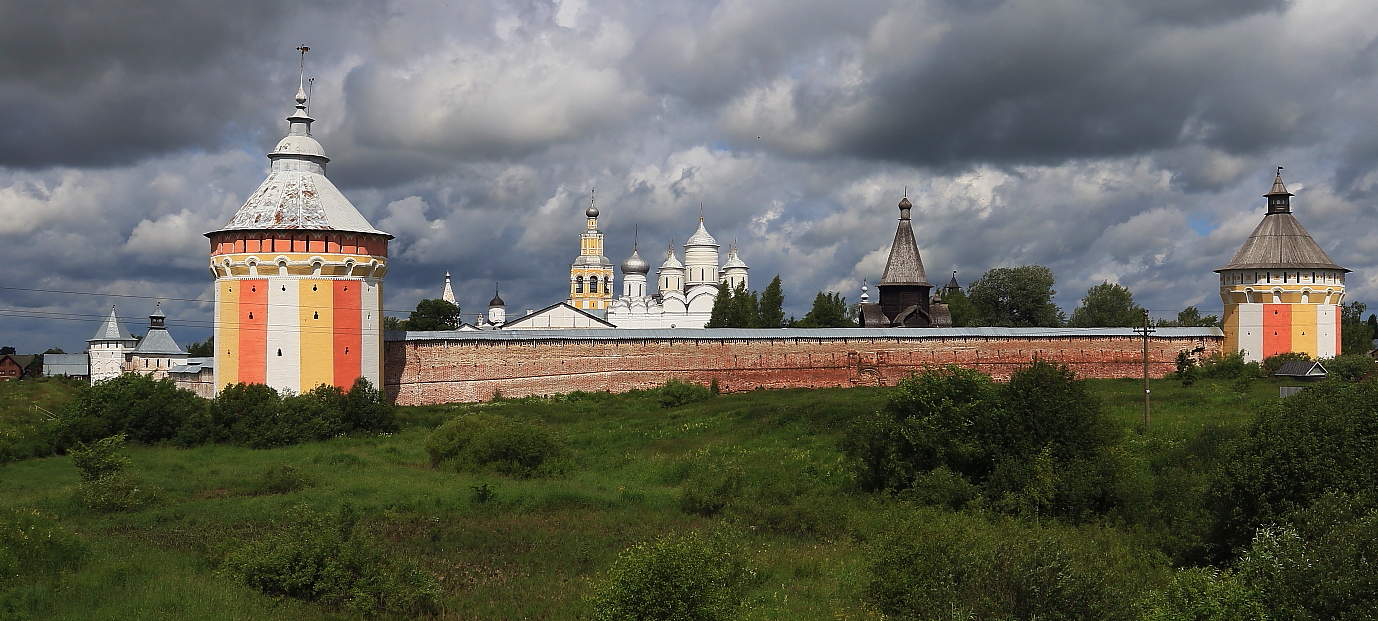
{"x":735,"y":270}
{"x":108,"y":348}
{"x":497,"y":309}
{"x":701,"y":258}
{"x":671,"y":273}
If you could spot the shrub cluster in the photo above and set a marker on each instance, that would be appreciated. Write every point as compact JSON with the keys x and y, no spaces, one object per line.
{"x":1229,"y":366}
{"x":33,"y":544}
{"x":1350,"y":367}
{"x":690,"y":577}
{"x":323,"y":558}
{"x":148,"y":410}
{"x":1298,"y":449}
{"x":940,"y":565}
{"x":1038,"y":445}
{"x":142,"y":408}
{"x":282,"y":479}
{"x":676,"y":393}
{"x":105,"y":486}
{"x":1320,"y":563}
{"x":488,"y":443}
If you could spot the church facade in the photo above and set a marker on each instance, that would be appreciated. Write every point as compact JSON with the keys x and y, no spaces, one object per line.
{"x":1281,"y":291}
{"x":685,"y":291}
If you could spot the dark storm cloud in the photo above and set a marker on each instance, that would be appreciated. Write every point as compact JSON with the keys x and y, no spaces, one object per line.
{"x":1125,"y":141}
{"x":1042,"y":82}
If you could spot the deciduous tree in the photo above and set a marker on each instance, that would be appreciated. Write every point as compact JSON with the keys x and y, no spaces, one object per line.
{"x":434,"y":315}
{"x":1016,"y":297}
{"x":1107,"y":305}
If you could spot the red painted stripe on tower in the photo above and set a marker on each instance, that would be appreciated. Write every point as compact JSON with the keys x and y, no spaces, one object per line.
{"x":1277,"y":329}
{"x":253,"y":331}
{"x":348,"y":331}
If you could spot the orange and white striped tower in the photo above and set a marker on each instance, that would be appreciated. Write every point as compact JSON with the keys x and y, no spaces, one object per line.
{"x":1282,"y":292}
{"x":298,"y":277}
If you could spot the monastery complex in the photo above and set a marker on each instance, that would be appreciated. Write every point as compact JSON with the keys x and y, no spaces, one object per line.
{"x":299,"y":274}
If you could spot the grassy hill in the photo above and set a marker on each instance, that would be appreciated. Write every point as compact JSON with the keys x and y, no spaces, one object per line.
{"x":532,"y":547}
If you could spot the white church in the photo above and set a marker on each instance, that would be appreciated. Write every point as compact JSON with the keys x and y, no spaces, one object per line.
{"x":685,"y":292}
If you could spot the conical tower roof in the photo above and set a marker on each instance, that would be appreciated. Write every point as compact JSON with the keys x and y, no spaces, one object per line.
{"x":1280,"y":241}
{"x":158,"y":341}
{"x":111,"y":329}
{"x":297,"y":194}
{"x":904,"y":267}
{"x":734,"y":260}
{"x":701,"y":237}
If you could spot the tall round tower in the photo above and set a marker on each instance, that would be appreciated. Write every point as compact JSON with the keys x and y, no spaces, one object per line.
{"x":634,"y":271}
{"x":1281,"y":291}
{"x":298,"y":277}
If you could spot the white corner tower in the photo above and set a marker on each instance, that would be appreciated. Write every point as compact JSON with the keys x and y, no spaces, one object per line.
{"x":108,"y":348}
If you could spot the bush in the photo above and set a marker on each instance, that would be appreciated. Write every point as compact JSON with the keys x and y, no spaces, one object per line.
{"x":1203,"y":594}
{"x":1272,"y":363}
{"x":321,"y":558}
{"x":939,"y":565}
{"x":34,"y":544}
{"x":675,"y":393}
{"x":246,"y":414}
{"x":1323,"y":564}
{"x":117,"y":492}
{"x":1039,"y":445}
{"x":1229,"y":366}
{"x":483,"y":442}
{"x":1297,"y":449}
{"x":365,"y":409}
{"x":105,"y":487}
{"x":281,"y":480}
{"x":689,"y":577}
{"x":1351,"y":367}
{"x":145,"y":409}
{"x":100,"y":459}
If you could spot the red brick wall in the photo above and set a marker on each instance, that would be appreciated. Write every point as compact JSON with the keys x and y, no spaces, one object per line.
{"x":443,"y":371}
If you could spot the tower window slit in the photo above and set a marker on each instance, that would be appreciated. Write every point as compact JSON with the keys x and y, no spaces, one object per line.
{"x":315,"y":315}
{"x":279,"y":353}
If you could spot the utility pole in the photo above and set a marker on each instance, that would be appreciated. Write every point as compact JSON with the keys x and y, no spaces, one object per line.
{"x":1145,"y":330}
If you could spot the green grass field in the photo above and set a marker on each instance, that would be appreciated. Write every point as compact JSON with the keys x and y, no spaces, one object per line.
{"x":529,"y":552}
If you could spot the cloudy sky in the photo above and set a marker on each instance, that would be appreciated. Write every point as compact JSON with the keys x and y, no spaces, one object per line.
{"x":1114,"y":140}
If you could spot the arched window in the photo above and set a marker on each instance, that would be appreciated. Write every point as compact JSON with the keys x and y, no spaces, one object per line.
{"x":1277,"y":296}
{"x":579,"y":284}
{"x":1305,"y":296}
{"x":593,"y":284}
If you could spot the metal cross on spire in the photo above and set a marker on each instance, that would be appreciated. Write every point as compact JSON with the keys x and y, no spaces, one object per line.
{"x":301,"y":66}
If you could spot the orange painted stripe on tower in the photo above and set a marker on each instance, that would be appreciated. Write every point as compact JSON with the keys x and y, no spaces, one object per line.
{"x":348,"y":332}
{"x":1277,"y":329}
{"x":253,"y":331}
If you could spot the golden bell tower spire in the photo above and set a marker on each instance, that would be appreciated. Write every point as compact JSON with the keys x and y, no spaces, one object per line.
{"x":590,"y":276}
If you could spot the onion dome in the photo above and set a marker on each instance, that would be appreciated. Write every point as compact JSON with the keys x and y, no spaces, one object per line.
{"x":635,"y":264}
{"x":733,"y":260}
{"x":497,"y":299}
{"x":701,"y":237}
{"x":1280,"y":241}
{"x":297,"y":194}
{"x":671,"y":261}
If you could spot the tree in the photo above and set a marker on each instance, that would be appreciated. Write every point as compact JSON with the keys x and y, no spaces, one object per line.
{"x":962,"y":311}
{"x":7,"y":350}
{"x":434,"y":315}
{"x":722,"y":308}
{"x":744,"y":311}
{"x":829,"y":311}
{"x":1107,"y":305}
{"x":1016,"y":297}
{"x":1373,"y":325}
{"x":394,"y":323}
{"x":54,"y":350}
{"x":204,"y":349}
{"x":771,"y":313}
{"x":1190,"y":317}
{"x":1356,"y":337}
